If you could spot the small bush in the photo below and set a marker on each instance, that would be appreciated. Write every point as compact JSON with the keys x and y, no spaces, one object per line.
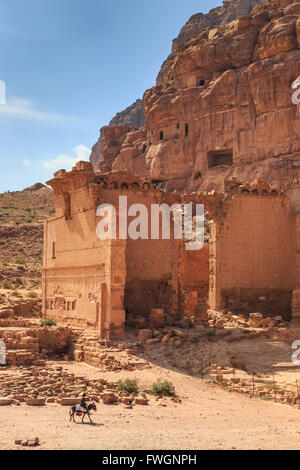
{"x":7,"y":284}
{"x":20,"y":260}
{"x":48,"y":322}
{"x":164,"y":388}
{"x":195,"y":340}
{"x":2,"y":242}
{"x":21,"y":268}
{"x":18,"y":281}
{"x":16,"y":293}
{"x":211,"y":334}
{"x":129,"y":385}
{"x":32,"y":295}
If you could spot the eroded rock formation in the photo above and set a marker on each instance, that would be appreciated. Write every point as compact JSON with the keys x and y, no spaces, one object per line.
{"x":131,"y":117}
{"x":229,"y":11}
{"x":225,"y":107}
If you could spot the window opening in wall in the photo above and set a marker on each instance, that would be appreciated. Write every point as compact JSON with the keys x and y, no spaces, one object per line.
{"x":161,"y":135}
{"x":186,"y":130}
{"x":220,"y":157}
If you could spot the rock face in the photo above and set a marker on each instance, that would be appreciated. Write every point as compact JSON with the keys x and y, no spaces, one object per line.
{"x":231,"y":10}
{"x":133,"y":116}
{"x":224,"y":107}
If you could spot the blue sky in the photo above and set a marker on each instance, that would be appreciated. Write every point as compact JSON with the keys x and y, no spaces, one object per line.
{"x":69,"y":66}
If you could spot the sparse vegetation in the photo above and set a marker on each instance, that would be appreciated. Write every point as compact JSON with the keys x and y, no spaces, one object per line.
{"x":211,"y":334}
{"x":162,"y":388}
{"x":16,"y":293}
{"x":32,"y":295}
{"x":128,"y":385}
{"x":48,"y":322}
{"x":6,"y":284}
{"x":20,"y":260}
{"x":195,"y":340}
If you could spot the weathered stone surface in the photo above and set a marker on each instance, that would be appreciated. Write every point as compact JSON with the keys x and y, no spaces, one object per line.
{"x":223,"y":106}
{"x":133,"y":117}
{"x":109,"y":398}
{"x":70,"y":401}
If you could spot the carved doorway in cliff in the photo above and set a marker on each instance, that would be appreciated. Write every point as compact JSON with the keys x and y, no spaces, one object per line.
{"x":220,"y":157}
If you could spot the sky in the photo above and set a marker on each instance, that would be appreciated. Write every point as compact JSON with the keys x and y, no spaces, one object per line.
{"x":68,"y":67}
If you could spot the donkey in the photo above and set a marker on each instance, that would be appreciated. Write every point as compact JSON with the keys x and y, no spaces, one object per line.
{"x":74,"y":412}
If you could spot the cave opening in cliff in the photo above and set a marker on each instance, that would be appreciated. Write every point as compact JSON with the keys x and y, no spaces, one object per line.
{"x":161,"y":135}
{"x":186,"y":130}
{"x":220,"y":157}
{"x":200,"y":82}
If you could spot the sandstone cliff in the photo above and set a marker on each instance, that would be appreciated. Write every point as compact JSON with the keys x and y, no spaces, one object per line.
{"x":229,"y":11}
{"x":133,"y":116}
{"x":224,"y":107}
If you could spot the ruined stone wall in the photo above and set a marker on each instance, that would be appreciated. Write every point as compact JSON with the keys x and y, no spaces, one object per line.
{"x":193,"y":278}
{"x":85,"y":279}
{"x":253,"y":256}
{"x":78,"y":286}
{"x":151,"y":265}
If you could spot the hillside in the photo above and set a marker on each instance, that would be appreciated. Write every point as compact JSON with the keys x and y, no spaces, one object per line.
{"x":21,"y":236}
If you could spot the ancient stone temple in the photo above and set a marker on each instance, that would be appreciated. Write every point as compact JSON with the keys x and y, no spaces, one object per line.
{"x":249,"y":261}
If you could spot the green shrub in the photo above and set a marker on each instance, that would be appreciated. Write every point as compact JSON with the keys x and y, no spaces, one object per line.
{"x":129,"y":385}
{"x":21,"y":268}
{"x":7,"y":284}
{"x":195,"y":340}
{"x":16,"y":293}
{"x":2,"y":242}
{"x":20,"y":260}
{"x":48,"y":322}
{"x":18,"y":281}
{"x":32,"y":295}
{"x":162,"y":388}
{"x":211,"y":334}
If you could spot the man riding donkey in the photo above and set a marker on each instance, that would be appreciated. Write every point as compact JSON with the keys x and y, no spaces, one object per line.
{"x":82,"y":409}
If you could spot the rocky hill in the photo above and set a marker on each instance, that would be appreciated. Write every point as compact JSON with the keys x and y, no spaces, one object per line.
{"x":21,"y":236}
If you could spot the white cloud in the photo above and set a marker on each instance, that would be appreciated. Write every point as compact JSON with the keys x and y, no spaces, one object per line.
{"x":26,"y":162}
{"x":65,"y":161}
{"x":20,"y":108}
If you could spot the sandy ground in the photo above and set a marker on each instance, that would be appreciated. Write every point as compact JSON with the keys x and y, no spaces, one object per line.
{"x":208,"y":418}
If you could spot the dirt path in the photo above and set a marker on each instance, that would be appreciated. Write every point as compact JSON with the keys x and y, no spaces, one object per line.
{"x":209,"y":418}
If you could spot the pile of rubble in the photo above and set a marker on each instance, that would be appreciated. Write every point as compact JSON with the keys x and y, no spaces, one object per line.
{"x":33,"y":345}
{"x":170,"y":336}
{"x":29,"y":442}
{"x":20,"y":307}
{"x":107,"y":355}
{"x":37,"y":386}
{"x":258,"y":385}
{"x":255,"y":320}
